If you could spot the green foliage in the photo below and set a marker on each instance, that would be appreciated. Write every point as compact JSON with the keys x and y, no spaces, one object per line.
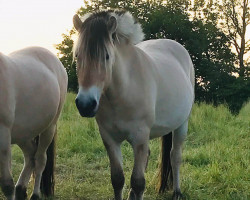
{"x":66,"y":56}
{"x":232,"y":17}
{"x":215,"y":157}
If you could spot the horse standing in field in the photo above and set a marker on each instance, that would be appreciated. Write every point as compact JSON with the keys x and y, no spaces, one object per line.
{"x":33,"y":85}
{"x":137,"y":91}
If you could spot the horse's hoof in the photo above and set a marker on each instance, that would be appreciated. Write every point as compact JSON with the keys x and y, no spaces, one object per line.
{"x":35,"y":197}
{"x":21,"y":193}
{"x":177,"y":195}
{"x":131,"y":195}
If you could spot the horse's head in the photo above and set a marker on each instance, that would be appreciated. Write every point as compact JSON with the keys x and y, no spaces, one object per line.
{"x":94,"y":54}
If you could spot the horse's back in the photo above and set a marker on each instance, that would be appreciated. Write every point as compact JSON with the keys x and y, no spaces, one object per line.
{"x":165,"y":51}
{"x":40,"y":83}
{"x":42,"y":56}
{"x":174,"y":77}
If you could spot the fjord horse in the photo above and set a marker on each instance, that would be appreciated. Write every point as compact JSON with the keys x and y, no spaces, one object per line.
{"x":137,"y":91}
{"x":33,"y":85}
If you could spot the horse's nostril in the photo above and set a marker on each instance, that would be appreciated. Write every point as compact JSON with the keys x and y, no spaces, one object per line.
{"x":93,"y":104}
{"x":86,"y":108}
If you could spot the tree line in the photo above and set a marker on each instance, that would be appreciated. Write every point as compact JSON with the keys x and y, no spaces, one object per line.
{"x":214,"y":33}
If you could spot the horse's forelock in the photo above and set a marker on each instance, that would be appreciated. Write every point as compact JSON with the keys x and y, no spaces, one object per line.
{"x":94,"y":41}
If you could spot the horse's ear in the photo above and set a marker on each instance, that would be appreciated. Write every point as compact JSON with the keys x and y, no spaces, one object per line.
{"x":77,"y":23}
{"x":112,"y":24}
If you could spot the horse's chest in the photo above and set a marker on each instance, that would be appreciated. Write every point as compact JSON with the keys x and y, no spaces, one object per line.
{"x":121,"y":125}
{"x":114,"y":125}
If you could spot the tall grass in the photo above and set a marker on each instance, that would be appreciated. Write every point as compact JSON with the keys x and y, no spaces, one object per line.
{"x":215,"y":157}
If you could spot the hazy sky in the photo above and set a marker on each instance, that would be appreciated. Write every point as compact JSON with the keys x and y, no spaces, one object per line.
{"x":35,"y":22}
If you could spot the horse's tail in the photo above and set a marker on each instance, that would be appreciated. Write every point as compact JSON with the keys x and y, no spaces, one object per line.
{"x":48,"y":178}
{"x":165,"y":169}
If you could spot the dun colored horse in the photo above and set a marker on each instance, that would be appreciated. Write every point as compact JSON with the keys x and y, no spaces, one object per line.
{"x":33,"y":85}
{"x":137,"y":91}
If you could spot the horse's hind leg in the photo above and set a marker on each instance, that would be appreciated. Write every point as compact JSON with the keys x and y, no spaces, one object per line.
{"x":29,"y":150}
{"x":40,"y":158}
{"x":178,"y":139}
{"x":6,"y":180}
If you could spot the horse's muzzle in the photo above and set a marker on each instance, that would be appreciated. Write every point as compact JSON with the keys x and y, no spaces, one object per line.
{"x":87,"y":109}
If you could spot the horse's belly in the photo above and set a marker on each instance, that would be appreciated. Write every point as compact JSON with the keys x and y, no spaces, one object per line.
{"x":23,"y":131}
{"x":36,"y":107}
{"x":159,"y":131}
{"x":173,"y":105}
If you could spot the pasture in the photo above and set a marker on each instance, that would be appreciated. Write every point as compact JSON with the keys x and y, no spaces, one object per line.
{"x":215,"y":157}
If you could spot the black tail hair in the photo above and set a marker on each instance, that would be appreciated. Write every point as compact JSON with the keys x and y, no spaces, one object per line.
{"x":165,"y":168}
{"x":48,"y":178}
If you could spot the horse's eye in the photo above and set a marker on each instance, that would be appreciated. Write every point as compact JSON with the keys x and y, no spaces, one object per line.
{"x":107,"y":56}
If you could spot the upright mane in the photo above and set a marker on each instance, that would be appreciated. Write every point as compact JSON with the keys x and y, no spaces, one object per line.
{"x":94,"y":40}
{"x":127,"y":26}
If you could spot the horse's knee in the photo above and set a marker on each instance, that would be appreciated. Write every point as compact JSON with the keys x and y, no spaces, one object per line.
{"x":138,"y":185}
{"x":118,"y":180}
{"x":40,"y":161}
{"x":21,"y":193}
{"x":7,"y":187}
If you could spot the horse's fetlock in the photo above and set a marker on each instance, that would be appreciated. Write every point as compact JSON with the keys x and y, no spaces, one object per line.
{"x":177,"y":195}
{"x":21,"y":192}
{"x":138,"y":185}
{"x":7,"y":187}
{"x":118,"y":180}
{"x":35,"y":197}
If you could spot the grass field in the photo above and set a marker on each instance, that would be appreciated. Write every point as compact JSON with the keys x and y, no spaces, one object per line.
{"x":215,"y":158}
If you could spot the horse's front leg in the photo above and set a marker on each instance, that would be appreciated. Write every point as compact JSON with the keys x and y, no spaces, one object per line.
{"x":141,"y":154}
{"x":6,"y":180}
{"x":115,"y":158}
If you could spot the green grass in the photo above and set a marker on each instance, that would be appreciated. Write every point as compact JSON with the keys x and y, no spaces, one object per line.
{"x":215,"y":157}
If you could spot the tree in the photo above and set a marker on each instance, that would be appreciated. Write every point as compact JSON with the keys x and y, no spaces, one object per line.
{"x":233,"y":17}
{"x":65,"y":55}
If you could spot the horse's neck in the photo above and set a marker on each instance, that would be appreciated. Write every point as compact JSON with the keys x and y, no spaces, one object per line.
{"x":122,"y":68}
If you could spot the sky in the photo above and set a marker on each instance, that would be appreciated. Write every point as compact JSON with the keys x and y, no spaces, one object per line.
{"x":35,"y":22}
